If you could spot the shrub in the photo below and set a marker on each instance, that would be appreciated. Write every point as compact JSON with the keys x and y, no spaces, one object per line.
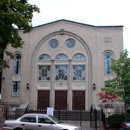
{"x":115,"y":120}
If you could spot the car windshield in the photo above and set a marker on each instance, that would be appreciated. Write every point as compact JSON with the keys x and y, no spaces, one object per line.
{"x":54,"y":119}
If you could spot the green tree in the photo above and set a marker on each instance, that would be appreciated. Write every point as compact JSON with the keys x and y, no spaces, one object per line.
{"x":14,"y":15}
{"x":120,"y":85}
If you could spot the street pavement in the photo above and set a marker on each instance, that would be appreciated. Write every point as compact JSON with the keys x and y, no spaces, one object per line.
{"x":88,"y":128}
{"x":85,"y":126}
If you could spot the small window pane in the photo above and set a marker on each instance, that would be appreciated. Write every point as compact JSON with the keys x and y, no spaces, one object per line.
{"x":61,"y":72}
{"x":107,"y":84}
{"x":78,"y":72}
{"x":30,"y":118}
{"x":45,"y":120}
{"x":107,"y":63}
{"x":44,"y":57}
{"x":17,"y":64}
{"x":61,"y":57}
{"x":16,"y":88}
{"x":70,"y":43}
{"x":44,"y":72}
{"x":53,"y":43}
{"x":79,"y":57}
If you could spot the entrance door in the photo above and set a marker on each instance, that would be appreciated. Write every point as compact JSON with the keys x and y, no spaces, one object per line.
{"x":78,"y":100}
{"x":43,"y":99}
{"x":61,"y":100}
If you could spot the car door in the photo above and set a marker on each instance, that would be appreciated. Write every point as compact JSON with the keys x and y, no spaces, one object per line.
{"x":45,"y":123}
{"x":28,"y":122}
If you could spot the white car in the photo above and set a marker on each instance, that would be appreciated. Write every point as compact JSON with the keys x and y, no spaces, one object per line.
{"x":37,"y":122}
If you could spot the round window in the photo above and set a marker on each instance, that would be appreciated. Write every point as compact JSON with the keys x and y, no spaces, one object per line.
{"x":53,"y":43}
{"x":70,"y":43}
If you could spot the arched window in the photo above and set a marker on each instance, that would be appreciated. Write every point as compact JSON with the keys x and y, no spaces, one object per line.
{"x":79,"y":71}
{"x":61,"y":71}
{"x":44,"y":57}
{"x":61,"y":57}
{"x":79,"y":56}
{"x":107,"y":63}
{"x":44,"y":70}
{"x":17,"y":64}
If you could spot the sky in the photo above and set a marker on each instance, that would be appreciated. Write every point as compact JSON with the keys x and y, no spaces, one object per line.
{"x":93,"y":12}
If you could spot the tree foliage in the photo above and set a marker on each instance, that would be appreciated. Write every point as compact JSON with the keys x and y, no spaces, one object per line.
{"x":120,"y":85}
{"x":107,"y":99}
{"x":14,"y":15}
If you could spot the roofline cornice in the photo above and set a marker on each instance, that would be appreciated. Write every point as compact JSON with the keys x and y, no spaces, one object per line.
{"x":106,"y":26}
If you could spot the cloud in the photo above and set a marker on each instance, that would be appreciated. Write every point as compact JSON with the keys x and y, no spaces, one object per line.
{"x":107,"y":11}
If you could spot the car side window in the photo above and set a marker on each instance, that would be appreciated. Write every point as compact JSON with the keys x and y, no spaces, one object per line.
{"x":29,"y":118}
{"x":42,"y":119}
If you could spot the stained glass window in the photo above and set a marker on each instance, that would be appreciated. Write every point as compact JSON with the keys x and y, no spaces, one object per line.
{"x":79,"y":56}
{"x":44,"y":72}
{"x":79,"y":72}
{"x":17,"y":64}
{"x":70,"y":43}
{"x":16,"y":88}
{"x":61,"y":72}
{"x":61,"y":57}
{"x":44,"y":57}
{"x":107,"y":63}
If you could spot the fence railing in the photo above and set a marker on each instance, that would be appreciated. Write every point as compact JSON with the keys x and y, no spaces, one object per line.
{"x":77,"y":117}
{"x":95,"y":119}
{"x":67,"y":116}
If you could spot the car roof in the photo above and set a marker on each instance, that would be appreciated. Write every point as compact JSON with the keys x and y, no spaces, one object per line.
{"x":35,"y":114}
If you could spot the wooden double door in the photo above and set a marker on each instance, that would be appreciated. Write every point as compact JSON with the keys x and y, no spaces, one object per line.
{"x":43,"y":99}
{"x":61,"y":100}
{"x":78,"y":102}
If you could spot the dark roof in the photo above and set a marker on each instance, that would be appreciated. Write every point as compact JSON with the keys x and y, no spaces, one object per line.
{"x":77,"y":23}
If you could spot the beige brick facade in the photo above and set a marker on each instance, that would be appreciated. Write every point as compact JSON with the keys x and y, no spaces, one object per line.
{"x":91,"y":41}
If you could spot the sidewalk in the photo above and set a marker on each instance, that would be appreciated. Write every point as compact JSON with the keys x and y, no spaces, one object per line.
{"x":88,"y":128}
{"x":86,"y":125}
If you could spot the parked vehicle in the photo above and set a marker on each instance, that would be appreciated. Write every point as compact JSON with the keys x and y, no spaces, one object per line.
{"x":126,"y":126}
{"x":35,"y":121}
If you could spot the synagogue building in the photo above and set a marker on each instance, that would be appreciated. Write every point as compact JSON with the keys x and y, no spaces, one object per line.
{"x":63,"y":64}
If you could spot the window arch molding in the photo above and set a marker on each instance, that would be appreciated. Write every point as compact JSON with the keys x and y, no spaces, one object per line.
{"x":78,"y":56}
{"x":17,"y":52}
{"x":107,"y":57}
{"x":61,"y":56}
{"x":44,"y":57}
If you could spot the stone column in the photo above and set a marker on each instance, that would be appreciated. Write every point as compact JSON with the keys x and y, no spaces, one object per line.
{"x":69,"y":93}
{"x":52,"y":81}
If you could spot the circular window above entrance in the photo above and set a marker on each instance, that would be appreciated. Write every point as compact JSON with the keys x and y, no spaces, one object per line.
{"x":53,"y":43}
{"x":70,"y":43}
